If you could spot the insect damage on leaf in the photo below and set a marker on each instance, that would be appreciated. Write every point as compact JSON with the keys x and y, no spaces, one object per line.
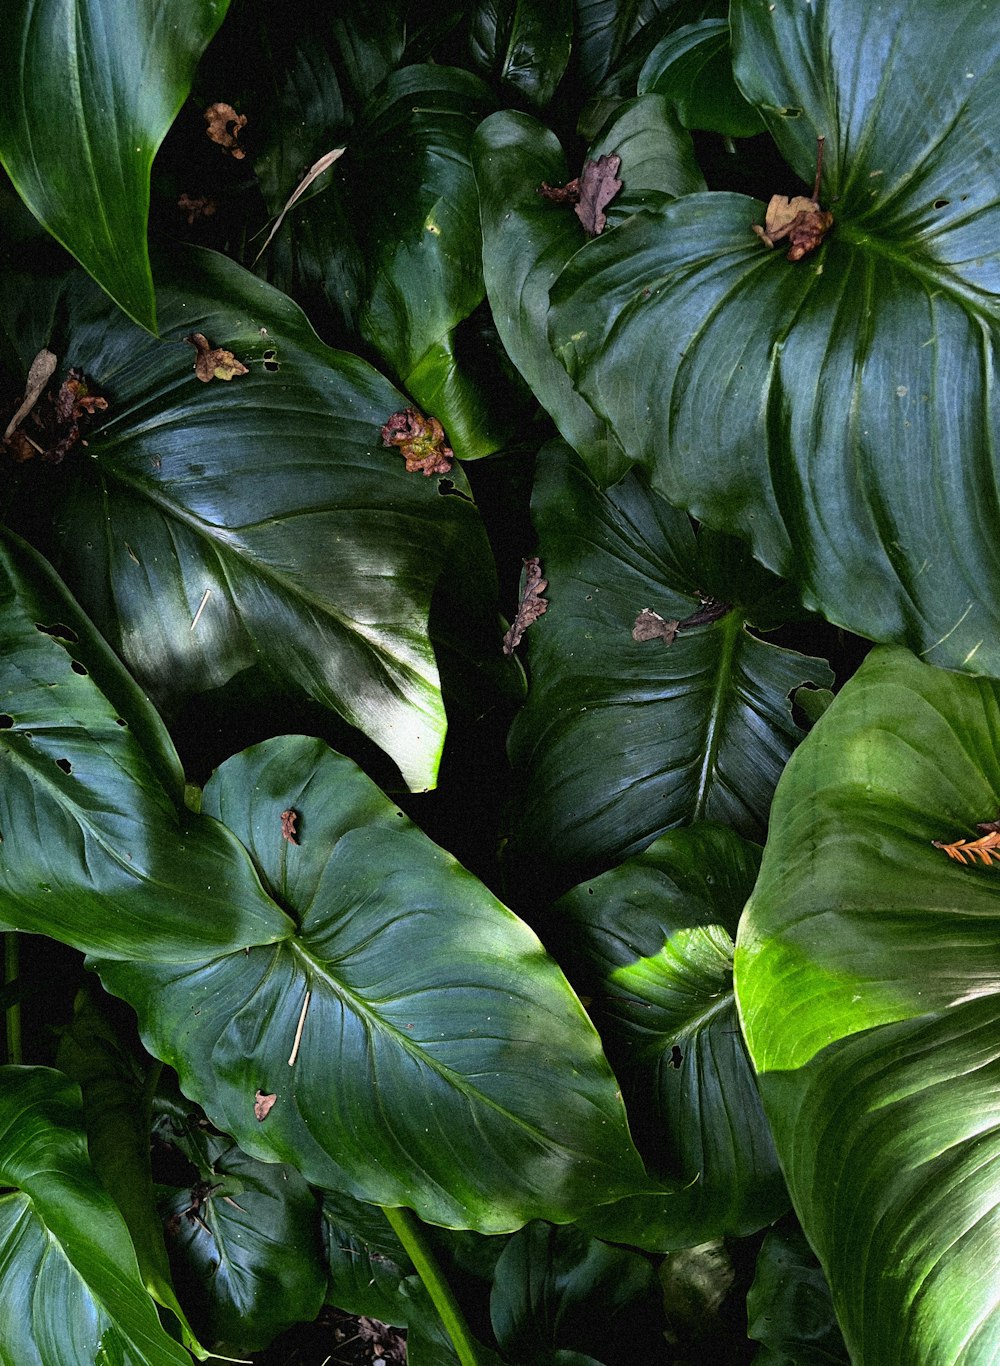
{"x":289,"y":819}
{"x":421,"y":440}
{"x":649,"y":625}
{"x":986,"y":848}
{"x":262,"y":1104}
{"x":49,"y":424}
{"x":213,"y":362}
{"x":801,"y":220}
{"x":224,"y":126}
{"x":590,"y":193}
{"x":531,"y":606}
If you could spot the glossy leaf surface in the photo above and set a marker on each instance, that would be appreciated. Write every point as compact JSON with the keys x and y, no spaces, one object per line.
{"x":621,"y":739}
{"x":654,"y":938}
{"x":261,"y":520}
{"x":524,"y":45}
{"x":92,"y":88}
{"x":866,"y":972}
{"x":70,"y":1290}
{"x":789,"y":1308}
{"x":836,"y":411}
{"x":98,"y":850}
{"x":405,"y":1033}
{"x":693,"y":68}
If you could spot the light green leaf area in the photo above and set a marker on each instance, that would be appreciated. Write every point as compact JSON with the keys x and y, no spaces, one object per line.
{"x":621,"y":739}
{"x":261,"y":521}
{"x":655,"y":940}
{"x":406,"y":1032}
{"x":70,"y":1291}
{"x":92,"y":88}
{"x":866,"y":972}
{"x":837,"y":411}
{"x":693,"y":68}
{"x":524,"y":45}
{"x":97,"y":848}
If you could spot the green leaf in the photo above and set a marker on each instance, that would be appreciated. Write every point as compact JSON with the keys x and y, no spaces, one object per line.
{"x":693,"y":68}
{"x":97,"y":847}
{"x":244,"y":1243}
{"x":368,"y":1264}
{"x":657,"y":156}
{"x":555,"y":1288}
{"x":622,"y":739}
{"x":261,"y":521}
{"x":92,"y":89}
{"x":832,"y":409}
{"x":523,"y":45}
{"x":605,"y":28}
{"x":656,"y":941}
{"x":117,"y":1118}
{"x":866,"y":979}
{"x":71,"y":1291}
{"x":407,"y":1032}
{"x":789,"y":1308}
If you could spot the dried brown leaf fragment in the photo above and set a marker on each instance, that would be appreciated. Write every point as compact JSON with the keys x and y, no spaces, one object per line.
{"x":41,"y":370}
{"x":224,"y":126}
{"x":561,"y":194}
{"x":52,"y":422}
{"x":196,"y":208}
{"x":420,"y":440}
{"x":599,"y":184}
{"x":531,"y":606}
{"x":214,"y":362}
{"x":289,"y":820}
{"x":801,"y":220}
{"x":649,"y":625}
{"x":262,"y":1105}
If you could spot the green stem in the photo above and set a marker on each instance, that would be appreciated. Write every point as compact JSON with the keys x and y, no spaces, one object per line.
{"x":11,"y":968}
{"x":407,"y":1228}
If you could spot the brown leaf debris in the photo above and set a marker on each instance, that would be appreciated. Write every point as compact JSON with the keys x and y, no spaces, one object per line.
{"x":801,"y":220}
{"x":986,"y":848}
{"x":262,"y":1104}
{"x":213,"y":362}
{"x":289,"y":820}
{"x":598,"y":186}
{"x":421,"y":440}
{"x":561,"y":194}
{"x":50,"y":423}
{"x":224,"y":127}
{"x":531,"y":606}
{"x":649,"y":625}
{"x":196,"y":208}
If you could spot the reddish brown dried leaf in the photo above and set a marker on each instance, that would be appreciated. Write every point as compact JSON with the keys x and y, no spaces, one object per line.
{"x":289,"y":820}
{"x":560,"y":194}
{"x":196,"y":208}
{"x":40,"y":372}
{"x":262,"y":1106}
{"x":801,"y":220}
{"x":214,"y":362}
{"x":649,"y":625}
{"x":598,"y":186}
{"x":531,"y":606}
{"x":224,"y":126}
{"x":985,"y":849}
{"x":421,"y":440}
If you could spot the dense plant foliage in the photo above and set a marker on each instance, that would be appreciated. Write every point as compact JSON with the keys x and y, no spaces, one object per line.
{"x":454,"y":455}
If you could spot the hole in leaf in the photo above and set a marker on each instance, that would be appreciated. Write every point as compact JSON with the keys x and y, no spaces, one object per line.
{"x":941,"y":203}
{"x":6,"y":721}
{"x":79,"y":668}
{"x":446,"y":488}
{"x":120,"y":721}
{"x":65,"y":765}
{"x":676,"y":1056}
{"x":270,"y":360}
{"x":59,"y":631}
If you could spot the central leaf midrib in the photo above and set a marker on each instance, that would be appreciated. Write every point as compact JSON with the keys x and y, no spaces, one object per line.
{"x":729,"y":628}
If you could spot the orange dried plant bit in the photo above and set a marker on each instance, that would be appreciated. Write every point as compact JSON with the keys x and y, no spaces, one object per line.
{"x":986,"y":848}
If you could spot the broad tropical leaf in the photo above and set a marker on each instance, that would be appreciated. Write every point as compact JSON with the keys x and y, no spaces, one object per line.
{"x":97,"y":847}
{"x":837,"y":411}
{"x":260,"y":520}
{"x":866,"y":973}
{"x":523,"y":45}
{"x":654,"y":938}
{"x":622,"y":738}
{"x":789,"y":1308}
{"x":693,"y":68}
{"x":70,"y":1291}
{"x":402,"y":1042}
{"x":92,"y":88}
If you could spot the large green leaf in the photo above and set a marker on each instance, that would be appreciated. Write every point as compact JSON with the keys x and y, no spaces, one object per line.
{"x":866,"y":972}
{"x":261,"y":521}
{"x":97,"y":848}
{"x":523,"y":45}
{"x":92,"y":87}
{"x":837,"y":411}
{"x":655,"y":937}
{"x":789,"y":1308}
{"x":693,"y":68}
{"x":421,"y":1047}
{"x":622,"y":739}
{"x":70,"y":1290}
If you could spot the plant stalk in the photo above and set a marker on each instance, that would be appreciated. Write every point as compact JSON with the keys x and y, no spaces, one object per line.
{"x":407,"y":1228}
{"x":12,"y":1015}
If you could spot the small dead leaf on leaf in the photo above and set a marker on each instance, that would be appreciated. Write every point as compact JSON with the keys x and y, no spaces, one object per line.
{"x":649,"y":625}
{"x":289,"y":820}
{"x":262,"y":1106}
{"x":53,"y":422}
{"x":985,"y":849}
{"x":420,"y":440}
{"x":196,"y":208}
{"x":214,"y":362}
{"x":801,"y":220}
{"x":313,"y":173}
{"x":598,"y":186}
{"x":42,"y":368}
{"x":560,"y":194}
{"x":531,"y":606}
{"x":224,"y":127}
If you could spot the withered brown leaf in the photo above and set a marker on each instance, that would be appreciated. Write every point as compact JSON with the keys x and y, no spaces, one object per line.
{"x":421,"y":440}
{"x":56,"y":419}
{"x":41,"y":370}
{"x":289,"y":820}
{"x":801,"y":220}
{"x":262,"y":1105}
{"x":649,"y":625}
{"x":561,"y":194}
{"x":224,"y":126}
{"x":985,"y":849}
{"x":599,"y":184}
{"x":200,"y":206}
{"x":214,"y":362}
{"x":531,"y":606}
